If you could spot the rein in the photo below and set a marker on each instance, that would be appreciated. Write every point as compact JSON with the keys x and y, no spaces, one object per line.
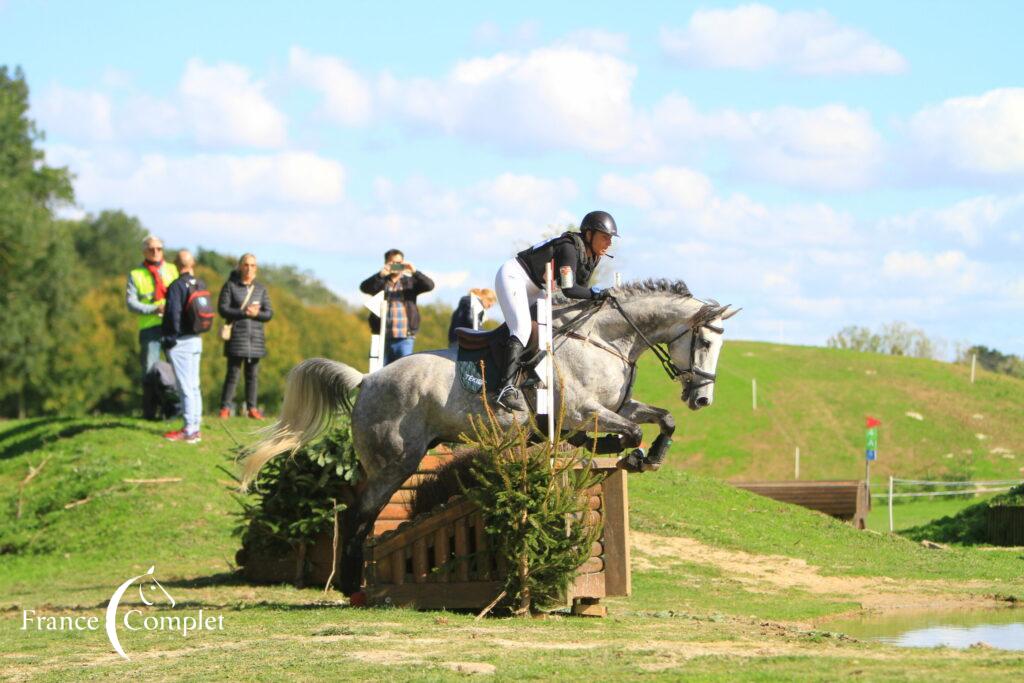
{"x":660,"y":351}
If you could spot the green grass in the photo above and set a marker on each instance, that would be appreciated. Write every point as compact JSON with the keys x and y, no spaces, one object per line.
{"x":816,"y":399}
{"x":687,"y":617}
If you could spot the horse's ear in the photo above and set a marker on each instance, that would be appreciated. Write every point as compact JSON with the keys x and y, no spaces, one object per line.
{"x":730,"y":312}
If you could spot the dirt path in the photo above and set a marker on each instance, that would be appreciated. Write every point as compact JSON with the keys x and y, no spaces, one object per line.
{"x":775,"y":572}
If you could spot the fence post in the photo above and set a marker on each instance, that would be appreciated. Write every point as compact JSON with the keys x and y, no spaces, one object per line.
{"x":797,"y":474}
{"x":974,"y":362}
{"x":891,"y":529}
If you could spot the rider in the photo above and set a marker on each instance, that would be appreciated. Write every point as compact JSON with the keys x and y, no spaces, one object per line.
{"x":520,"y":280}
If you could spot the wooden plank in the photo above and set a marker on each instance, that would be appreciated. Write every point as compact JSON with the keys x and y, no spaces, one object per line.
{"x":461,"y":549}
{"x":429,"y":463}
{"x":590,"y":586}
{"x":483,"y":557}
{"x":617,"y":577}
{"x":455,"y":595}
{"x":383,"y":526}
{"x":397,"y":566}
{"x":394,"y":511}
{"x":419,"y":560}
{"x":442,"y":553}
{"x":426,"y":526}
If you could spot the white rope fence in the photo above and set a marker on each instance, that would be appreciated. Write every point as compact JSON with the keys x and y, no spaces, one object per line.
{"x":960,"y":488}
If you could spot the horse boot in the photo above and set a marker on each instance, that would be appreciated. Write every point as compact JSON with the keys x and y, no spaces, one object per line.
{"x":509,"y":396}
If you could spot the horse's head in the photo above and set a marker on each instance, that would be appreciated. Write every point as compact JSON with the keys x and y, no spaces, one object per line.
{"x":695,"y":353}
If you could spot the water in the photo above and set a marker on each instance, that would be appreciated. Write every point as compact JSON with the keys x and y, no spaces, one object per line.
{"x":999,"y":628}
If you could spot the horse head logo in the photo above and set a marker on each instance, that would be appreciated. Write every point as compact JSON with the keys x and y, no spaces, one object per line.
{"x":148,"y":588}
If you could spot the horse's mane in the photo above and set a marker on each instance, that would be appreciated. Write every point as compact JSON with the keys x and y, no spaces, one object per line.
{"x":633,"y":288}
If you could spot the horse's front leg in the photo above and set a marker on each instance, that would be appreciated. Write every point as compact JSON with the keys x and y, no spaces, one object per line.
{"x":641,"y":413}
{"x":623,"y":433}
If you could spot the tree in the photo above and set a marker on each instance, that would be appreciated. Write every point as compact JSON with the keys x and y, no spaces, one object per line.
{"x":109,"y":244}
{"x":894,"y":339}
{"x":37,"y":265}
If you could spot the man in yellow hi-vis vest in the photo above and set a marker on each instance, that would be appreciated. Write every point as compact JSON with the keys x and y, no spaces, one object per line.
{"x":146,"y":295}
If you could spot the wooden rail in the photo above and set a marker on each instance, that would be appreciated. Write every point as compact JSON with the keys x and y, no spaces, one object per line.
{"x":845,"y":500}
{"x":441,"y":560}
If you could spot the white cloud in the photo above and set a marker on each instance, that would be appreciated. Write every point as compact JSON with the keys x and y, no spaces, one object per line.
{"x":598,"y":40}
{"x":983,"y":134}
{"x":225,"y":107}
{"x":974,"y":221}
{"x":77,"y":114}
{"x":203,"y":182}
{"x":549,"y":98}
{"x":676,"y":199}
{"x":757,"y":37}
{"x":347,"y":96}
{"x":918,"y":265}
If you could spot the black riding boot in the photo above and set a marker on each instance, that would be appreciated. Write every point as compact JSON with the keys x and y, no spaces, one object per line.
{"x":509,"y":396}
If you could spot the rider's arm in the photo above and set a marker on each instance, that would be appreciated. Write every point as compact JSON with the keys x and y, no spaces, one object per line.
{"x":565,"y":255}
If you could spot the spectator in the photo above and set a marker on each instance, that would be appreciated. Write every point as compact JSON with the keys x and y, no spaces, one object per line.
{"x":245,"y":304}
{"x":146,"y":296}
{"x":184,"y":346}
{"x":401,"y":284}
{"x":471,"y":311}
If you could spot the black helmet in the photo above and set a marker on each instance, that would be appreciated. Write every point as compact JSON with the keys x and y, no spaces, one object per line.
{"x":601,"y":221}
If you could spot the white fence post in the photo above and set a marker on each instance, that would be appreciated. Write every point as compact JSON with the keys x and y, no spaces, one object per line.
{"x":546,"y":367}
{"x":797,"y":474}
{"x":974,"y":362}
{"x":891,"y":528}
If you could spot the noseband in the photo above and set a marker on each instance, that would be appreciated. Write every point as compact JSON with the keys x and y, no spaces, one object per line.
{"x":695,"y":377}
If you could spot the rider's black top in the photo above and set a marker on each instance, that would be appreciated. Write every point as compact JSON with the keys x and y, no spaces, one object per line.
{"x":568,"y":251}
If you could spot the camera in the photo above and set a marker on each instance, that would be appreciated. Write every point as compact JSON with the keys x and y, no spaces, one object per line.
{"x":397,"y":267}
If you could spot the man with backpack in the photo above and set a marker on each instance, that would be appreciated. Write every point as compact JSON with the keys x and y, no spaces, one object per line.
{"x":188,"y":314}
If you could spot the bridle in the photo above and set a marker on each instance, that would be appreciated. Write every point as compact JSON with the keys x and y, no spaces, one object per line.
{"x":694,"y":377}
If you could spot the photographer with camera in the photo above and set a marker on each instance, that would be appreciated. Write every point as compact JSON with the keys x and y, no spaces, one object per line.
{"x":401,"y":284}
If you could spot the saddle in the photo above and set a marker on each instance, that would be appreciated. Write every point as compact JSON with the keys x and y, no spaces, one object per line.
{"x":490,"y":348}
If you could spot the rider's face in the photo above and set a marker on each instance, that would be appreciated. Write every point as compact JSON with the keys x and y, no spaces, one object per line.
{"x":600,"y":243}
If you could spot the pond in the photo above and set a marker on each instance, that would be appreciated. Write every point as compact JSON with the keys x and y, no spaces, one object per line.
{"x":999,"y":628}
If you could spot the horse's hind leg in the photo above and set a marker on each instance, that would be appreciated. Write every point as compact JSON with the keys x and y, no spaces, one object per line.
{"x":359,"y":519}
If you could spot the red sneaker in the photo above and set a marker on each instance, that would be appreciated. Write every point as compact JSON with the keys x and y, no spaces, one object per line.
{"x":225,"y":413}
{"x":176,"y":435}
{"x":255,"y":414}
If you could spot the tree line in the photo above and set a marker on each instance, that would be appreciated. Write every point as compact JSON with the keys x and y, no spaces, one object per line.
{"x":67,"y":342}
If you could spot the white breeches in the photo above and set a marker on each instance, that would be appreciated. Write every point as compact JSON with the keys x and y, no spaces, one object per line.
{"x":516,"y":293}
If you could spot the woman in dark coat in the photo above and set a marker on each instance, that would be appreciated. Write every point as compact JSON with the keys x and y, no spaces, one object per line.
{"x":245,"y":305}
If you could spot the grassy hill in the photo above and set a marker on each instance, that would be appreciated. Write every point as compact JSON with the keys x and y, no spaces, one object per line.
{"x":816,"y":399}
{"x":718,"y":574}
{"x":726,"y":584}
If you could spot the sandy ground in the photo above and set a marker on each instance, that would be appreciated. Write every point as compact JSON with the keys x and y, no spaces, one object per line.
{"x":775,"y":572}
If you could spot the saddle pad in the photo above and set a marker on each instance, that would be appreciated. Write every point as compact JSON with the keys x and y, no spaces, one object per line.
{"x":467,"y":367}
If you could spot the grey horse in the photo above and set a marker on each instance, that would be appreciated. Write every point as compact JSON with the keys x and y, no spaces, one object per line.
{"x":417,"y":402}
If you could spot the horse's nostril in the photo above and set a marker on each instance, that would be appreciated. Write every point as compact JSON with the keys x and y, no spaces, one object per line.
{"x":703,"y":402}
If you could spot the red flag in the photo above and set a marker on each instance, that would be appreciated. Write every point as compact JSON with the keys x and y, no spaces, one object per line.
{"x":872,"y":422}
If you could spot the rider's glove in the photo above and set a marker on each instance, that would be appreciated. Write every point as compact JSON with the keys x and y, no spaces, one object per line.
{"x":600,"y":294}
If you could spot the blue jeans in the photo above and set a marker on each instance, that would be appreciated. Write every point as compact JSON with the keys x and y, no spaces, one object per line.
{"x":149,"y":347}
{"x":184,"y":357}
{"x":397,"y":348}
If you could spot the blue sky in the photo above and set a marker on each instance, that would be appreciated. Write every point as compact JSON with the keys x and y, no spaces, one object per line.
{"x":819,"y":164}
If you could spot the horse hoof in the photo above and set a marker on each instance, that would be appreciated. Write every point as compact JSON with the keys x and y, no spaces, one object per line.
{"x":357,"y":599}
{"x":635,"y":461}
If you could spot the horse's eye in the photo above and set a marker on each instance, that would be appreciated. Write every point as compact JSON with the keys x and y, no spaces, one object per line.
{"x":705,"y":343}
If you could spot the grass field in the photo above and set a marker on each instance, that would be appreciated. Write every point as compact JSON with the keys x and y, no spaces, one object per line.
{"x":727,"y":585}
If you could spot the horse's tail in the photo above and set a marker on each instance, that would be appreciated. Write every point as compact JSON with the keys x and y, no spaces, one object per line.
{"x":316,"y":389}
